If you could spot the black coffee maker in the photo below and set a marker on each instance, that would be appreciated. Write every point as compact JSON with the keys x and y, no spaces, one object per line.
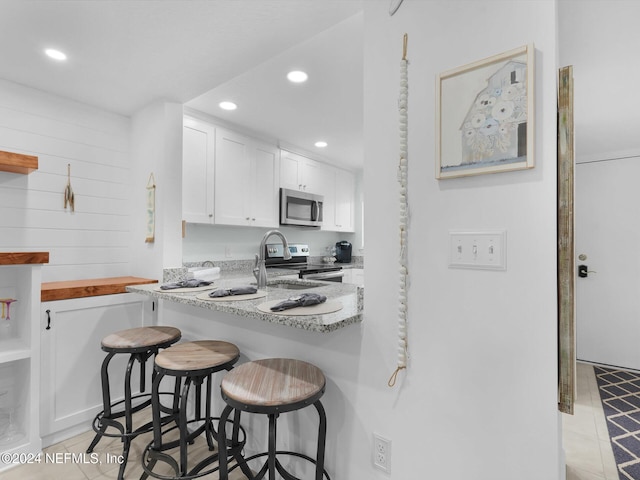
{"x":343,"y":252}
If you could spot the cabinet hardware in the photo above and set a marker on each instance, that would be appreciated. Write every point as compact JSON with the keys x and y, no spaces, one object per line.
{"x":48,"y":319}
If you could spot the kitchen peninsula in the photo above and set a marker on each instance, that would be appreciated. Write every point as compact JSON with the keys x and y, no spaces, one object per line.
{"x":350,"y":298}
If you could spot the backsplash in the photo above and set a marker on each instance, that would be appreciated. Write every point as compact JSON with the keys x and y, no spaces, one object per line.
{"x":227,"y":243}
{"x":176,"y":274}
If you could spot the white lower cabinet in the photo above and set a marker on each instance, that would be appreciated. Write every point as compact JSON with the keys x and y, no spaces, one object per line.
{"x":354,"y":276}
{"x":71,"y":358}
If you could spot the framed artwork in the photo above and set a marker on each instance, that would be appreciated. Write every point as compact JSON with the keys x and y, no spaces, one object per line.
{"x":484,"y":115}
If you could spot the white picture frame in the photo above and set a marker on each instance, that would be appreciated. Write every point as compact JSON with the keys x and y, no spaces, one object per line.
{"x":485,"y":115}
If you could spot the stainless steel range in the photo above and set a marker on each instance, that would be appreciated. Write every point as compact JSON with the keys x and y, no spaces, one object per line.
{"x":274,"y":257}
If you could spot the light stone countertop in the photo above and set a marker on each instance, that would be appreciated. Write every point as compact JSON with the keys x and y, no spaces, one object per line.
{"x":350,"y":296}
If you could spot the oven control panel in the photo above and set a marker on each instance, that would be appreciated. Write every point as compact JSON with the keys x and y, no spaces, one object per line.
{"x":276,"y":250}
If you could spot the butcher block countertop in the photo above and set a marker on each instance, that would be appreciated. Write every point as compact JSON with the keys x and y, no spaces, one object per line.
{"x":23,"y":258}
{"x":89,"y":287}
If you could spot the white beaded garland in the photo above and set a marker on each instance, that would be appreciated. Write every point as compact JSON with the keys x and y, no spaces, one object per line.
{"x":403,"y":200}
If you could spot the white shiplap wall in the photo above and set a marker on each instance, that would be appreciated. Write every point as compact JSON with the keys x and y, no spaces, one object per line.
{"x":94,"y":241}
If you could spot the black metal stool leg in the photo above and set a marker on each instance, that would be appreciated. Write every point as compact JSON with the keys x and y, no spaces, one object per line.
{"x":223,"y":461}
{"x":271,"y":459}
{"x":182,"y":425}
{"x":322,"y":438}
{"x":106,"y":400}
{"x":126,"y":439}
{"x":209,"y":431}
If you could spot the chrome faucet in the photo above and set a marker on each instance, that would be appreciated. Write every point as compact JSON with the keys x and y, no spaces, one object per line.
{"x":260,"y":270}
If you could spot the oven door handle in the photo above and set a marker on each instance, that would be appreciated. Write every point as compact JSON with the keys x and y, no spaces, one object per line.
{"x":323,"y":276}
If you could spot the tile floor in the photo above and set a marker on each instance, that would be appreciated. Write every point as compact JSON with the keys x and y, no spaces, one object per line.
{"x":58,"y":466}
{"x":585,"y":437}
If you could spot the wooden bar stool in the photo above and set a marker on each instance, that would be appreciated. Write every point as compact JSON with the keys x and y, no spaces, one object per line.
{"x":273,"y":386}
{"x":140,"y":343}
{"x":190,"y":363}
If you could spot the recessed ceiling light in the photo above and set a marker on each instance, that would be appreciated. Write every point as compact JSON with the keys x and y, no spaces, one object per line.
{"x":297,"y":76}
{"x":321,"y":144}
{"x":227,"y":105}
{"x":55,"y":54}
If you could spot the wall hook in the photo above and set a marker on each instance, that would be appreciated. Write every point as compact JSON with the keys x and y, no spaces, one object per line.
{"x":69,"y":198}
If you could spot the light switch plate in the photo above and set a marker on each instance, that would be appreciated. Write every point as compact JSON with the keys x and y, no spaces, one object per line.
{"x":478,"y":250}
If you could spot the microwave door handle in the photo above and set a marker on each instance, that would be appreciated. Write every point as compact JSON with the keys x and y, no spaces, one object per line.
{"x":314,"y":211}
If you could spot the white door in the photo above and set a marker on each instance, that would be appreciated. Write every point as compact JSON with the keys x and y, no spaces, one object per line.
{"x":608,"y":234}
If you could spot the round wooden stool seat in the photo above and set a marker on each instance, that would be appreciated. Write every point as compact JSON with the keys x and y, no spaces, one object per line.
{"x":281,"y":384}
{"x":140,"y":339}
{"x":195,"y":358}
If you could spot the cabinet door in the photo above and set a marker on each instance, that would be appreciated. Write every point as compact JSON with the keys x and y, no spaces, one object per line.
{"x":265,"y":195}
{"x":299,"y":173}
{"x":198,"y":154}
{"x":353,"y":276}
{"x":233,"y":179}
{"x":71,"y":358}
{"x":344,"y":198}
{"x":290,"y":170}
{"x":328,"y":190}
{"x":312,"y":173}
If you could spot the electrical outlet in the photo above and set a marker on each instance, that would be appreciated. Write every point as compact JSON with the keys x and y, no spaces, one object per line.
{"x":382,"y":453}
{"x":227,"y":252}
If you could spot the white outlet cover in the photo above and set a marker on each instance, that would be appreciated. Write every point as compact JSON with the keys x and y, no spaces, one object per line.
{"x":382,"y":453}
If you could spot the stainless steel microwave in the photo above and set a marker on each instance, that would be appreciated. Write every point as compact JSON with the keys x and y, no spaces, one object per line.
{"x":300,"y":208}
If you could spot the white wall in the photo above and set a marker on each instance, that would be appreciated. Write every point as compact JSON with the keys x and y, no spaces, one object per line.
{"x":94,"y":241}
{"x":157,"y":148}
{"x":479,"y":397}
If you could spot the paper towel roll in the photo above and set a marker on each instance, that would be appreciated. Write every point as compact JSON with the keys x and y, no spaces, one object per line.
{"x":204,"y":273}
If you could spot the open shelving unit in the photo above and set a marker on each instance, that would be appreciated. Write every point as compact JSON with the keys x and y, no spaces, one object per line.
{"x":17,"y":162}
{"x":20,"y":282}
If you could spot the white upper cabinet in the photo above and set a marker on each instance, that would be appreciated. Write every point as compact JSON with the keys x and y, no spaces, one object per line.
{"x":339,"y":198}
{"x":300,"y":173}
{"x":344,"y":201}
{"x":198,"y":155}
{"x":336,"y":185}
{"x":246,"y":184}
{"x":232,"y":179}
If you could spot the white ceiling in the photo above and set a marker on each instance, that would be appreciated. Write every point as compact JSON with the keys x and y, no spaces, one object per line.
{"x":328,"y":106}
{"x":124,"y":55}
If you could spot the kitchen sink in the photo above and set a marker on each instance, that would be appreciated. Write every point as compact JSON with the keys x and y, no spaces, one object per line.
{"x":284,"y":285}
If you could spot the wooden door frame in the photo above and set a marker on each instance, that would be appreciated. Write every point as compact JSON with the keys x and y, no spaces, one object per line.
{"x":566,"y":249}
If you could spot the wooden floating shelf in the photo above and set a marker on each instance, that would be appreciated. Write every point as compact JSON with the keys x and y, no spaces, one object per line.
{"x":23,"y":258}
{"x":89,"y":288}
{"x":17,"y":163}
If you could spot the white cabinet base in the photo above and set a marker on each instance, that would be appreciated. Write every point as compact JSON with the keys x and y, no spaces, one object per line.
{"x":71,"y":391}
